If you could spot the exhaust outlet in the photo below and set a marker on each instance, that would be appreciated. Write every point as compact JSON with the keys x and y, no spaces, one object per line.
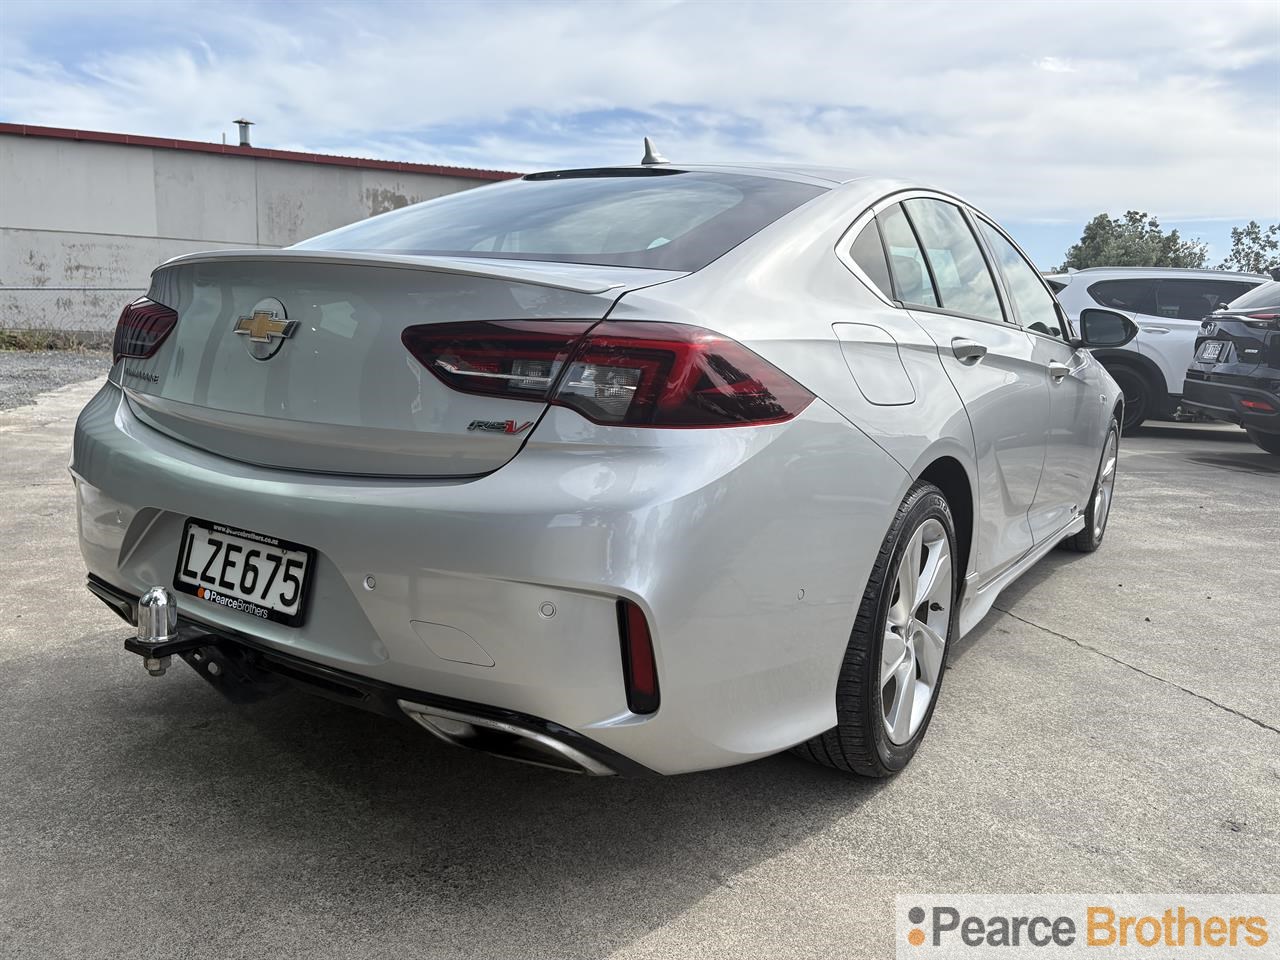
{"x":502,"y":739}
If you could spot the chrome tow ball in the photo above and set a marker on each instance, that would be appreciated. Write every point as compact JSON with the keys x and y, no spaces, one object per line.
{"x":157,"y":624}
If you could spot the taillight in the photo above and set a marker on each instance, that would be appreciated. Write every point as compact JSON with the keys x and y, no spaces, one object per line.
{"x":1261,"y":406}
{"x":1266,"y":321}
{"x":501,"y":358}
{"x":141,"y":329}
{"x":648,"y":374}
{"x":639,"y":669}
{"x":631,"y":373}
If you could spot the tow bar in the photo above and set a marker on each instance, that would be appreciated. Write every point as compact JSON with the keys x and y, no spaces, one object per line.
{"x":157,"y":640}
{"x":159,"y":637}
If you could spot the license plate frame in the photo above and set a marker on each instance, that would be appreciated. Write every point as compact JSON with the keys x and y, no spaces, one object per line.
{"x":1211,"y":352}
{"x":216,"y":593}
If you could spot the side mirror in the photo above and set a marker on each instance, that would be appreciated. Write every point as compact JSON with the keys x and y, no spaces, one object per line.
{"x":1104,"y":328}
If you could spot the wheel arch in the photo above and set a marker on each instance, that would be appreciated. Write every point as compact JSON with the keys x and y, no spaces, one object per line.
{"x":1144,"y":365}
{"x":949,"y":475}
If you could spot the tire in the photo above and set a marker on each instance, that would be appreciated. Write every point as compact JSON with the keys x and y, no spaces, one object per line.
{"x":872,"y":737}
{"x":1269,"y":442}
{"x":1098,"y":512}
{"x":1139,"y":398}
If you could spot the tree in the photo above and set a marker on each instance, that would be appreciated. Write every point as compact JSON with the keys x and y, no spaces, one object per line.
{"x":1253,"y":250}
{"x":1135,"y":241}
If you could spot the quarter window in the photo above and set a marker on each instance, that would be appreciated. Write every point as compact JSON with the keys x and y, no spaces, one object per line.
{"x":1193,"y":299}
{"x":1033,"y":303}
{"x":911,"y":283}
{"x":868,"y":253}
{"x":963,"y":279}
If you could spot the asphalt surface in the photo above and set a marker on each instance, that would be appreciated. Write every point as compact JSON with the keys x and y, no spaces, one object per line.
{"x":1112,"y":727}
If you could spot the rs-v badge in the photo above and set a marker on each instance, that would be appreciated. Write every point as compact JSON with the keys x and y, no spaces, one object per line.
{"x":500,"y":426}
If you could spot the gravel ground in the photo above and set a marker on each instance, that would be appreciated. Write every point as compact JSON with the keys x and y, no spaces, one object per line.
{"x":26,"y":373}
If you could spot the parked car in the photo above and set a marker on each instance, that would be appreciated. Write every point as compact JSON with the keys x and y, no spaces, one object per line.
{"x":1235,"y":375}
{"x":638,"y":469}
{"x":1167,"y":304}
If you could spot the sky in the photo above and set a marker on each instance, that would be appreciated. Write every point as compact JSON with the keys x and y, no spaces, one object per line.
{"x":1043,"y":114}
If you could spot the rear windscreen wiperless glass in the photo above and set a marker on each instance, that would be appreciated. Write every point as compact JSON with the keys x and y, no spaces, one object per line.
{"x":663,"y":219}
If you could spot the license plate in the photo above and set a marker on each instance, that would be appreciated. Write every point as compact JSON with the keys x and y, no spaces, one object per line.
{"x":1212,"y":350}
{"x":262,"y":576}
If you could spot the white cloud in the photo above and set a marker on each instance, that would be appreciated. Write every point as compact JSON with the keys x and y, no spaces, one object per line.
{"x":1055,"y":65}
{"x":1032,"y":110}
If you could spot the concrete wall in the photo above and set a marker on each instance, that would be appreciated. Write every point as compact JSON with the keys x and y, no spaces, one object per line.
{"x":82,"y":224}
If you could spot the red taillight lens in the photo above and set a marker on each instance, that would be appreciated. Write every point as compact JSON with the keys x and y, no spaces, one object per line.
{"x":1259,"y":405}
{"x":639,"y":670}
{"x":141,"y":329}
{"x":672,"y":375}
{"x":502,"y":358}
{"x":629,"y":373}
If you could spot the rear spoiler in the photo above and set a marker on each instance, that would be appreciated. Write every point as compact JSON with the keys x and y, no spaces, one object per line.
{"x":574,"y":277}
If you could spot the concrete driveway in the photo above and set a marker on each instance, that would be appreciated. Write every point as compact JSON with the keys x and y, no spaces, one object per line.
{"x":1113,"y":727}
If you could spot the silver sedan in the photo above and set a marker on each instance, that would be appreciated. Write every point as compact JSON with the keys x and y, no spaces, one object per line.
{"x":621,"y":470}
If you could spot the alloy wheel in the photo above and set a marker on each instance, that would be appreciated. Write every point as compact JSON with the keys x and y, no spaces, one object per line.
{"x":916,"y":628}
{"x":1106,"y":485}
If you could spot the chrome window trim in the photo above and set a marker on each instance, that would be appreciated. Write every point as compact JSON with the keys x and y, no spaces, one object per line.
{"x":845,"y":243}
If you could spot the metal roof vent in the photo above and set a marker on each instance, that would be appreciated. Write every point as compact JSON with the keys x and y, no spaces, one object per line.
{"x":651,"y":154}
{"x":244,"y":126}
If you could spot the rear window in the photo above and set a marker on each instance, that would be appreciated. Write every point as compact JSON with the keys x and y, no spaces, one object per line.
{"x":1263,"y":295}
{"x":663,"y":219}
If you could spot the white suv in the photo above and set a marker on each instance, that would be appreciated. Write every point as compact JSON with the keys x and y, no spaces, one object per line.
{"x":1167,"y":304}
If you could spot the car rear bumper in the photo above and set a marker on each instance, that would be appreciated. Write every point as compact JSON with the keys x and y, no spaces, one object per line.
{"x":747,"y":550}
{"x":244,"y":670}
{"x":1249,"y":406}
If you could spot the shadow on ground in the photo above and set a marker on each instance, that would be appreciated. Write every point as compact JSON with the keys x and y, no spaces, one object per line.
{"x":356,"y":821}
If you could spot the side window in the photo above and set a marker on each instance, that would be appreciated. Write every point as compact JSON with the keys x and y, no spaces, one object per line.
{"x":1193,"y":299}
{"x":959,"y":269}
{"x":911,"y":280}
{"x":868,"y":253}
{"x":1131,"y":296}
{"x":1034,"y":304}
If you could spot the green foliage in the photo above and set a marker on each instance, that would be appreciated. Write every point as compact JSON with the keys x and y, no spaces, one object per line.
{"x":1253,"y":249}
{"x":1134,"y":241}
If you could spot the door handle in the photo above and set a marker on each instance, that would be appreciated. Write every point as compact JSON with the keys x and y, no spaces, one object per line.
{"x":1058,"y":370}
{"x":967,"y":351}
{"x":1145,"y":329}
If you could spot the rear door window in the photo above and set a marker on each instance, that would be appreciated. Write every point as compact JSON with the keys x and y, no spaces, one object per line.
{"x":1131,"y":296}
{"x":868,"y":253}
{"x":911,"y":281}
{"x":960,"y":271}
